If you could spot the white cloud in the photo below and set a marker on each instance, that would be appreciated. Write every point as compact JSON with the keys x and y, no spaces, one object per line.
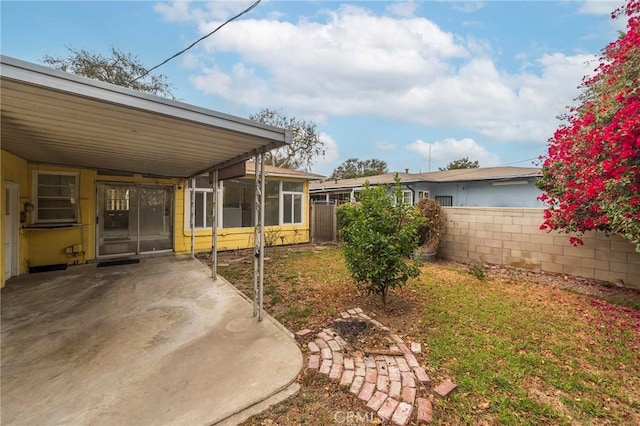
{"x":191,"y":61}
{"x":440,"y":153}
{"x":404,"y":9}
{"x":599,"y":7}
{"x":467,"y":6}
{"x":215,"y":81}
{"x":186,"y":10}
{"x":330,"y":150}
{"x":177,"y":11}
{"x":384,"y":146}
{"x":408,"y":69}
{"x":606,"y":7}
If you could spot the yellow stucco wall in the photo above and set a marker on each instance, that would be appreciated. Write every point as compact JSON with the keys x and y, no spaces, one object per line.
{"x":239,"y":238}
{"x":38,"y":246}
{"x":48,"y":246}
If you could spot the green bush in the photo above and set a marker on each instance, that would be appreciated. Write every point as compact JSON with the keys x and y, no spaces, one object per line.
{"x":379,"y":235}
{"x":477,"y":270}
{"x":345,"y":214}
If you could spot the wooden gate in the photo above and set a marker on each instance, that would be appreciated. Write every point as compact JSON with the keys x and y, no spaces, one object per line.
{"x":323,"y":222}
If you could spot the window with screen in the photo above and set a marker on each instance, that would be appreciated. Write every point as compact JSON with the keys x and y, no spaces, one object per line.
{"x":56,"y":196}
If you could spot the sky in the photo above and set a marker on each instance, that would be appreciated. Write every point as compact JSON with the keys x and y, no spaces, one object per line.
{"x":414,"y":83}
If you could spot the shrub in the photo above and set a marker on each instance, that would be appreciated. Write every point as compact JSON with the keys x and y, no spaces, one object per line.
{"x":379,"y":235}
{"x":430,"y":232}
{"x":591,"y":173}
{"x":477,"y":270}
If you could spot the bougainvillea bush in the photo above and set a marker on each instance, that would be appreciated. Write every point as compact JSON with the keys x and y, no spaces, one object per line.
{"x":591,"y":173}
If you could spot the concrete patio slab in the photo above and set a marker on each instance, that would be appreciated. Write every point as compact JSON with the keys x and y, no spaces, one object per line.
{"x":155,"y":343}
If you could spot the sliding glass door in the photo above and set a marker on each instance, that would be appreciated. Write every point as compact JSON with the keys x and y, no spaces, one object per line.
{"x":134,"y":219}
{"x":156,"y":218}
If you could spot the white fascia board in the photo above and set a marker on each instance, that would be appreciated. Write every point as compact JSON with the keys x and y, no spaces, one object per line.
{"x":49,"y":78}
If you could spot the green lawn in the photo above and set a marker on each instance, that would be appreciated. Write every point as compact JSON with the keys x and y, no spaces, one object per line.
{"x":521,"y":353}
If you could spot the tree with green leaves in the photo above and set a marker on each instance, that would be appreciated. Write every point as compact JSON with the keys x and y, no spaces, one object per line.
{"x":119,"y":68}
{"x":353,"y":168}
{"x":379,"y":236}
{"x":462,"y":163}
{"x":305,"y":145}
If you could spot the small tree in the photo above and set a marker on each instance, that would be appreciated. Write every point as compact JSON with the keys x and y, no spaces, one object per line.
{"x":379,"y":237}
{"x":120,"y":68}
{"x":462,"y":163}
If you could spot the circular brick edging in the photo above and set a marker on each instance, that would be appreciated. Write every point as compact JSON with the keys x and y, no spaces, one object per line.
{"x":387,"y":383}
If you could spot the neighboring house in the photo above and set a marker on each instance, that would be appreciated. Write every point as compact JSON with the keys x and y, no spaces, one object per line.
{"x":345,"y":190}
{"x":90,"y":170}
{"x":482,"y":187}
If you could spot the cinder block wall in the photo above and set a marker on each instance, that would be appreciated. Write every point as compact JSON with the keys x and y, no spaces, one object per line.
{"x":511,"y":236}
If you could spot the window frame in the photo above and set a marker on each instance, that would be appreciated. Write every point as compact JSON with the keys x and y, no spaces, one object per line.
{"x":423,"y":194}
{"x":187,"y":206}
{"x":404,"y":196}
{"x":220,"y":203}
{"x":439,"y":199}
{"x":73,"y":198}
{"x":293,"y":204}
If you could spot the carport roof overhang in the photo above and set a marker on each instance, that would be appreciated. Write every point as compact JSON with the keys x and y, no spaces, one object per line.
{"x":54,"y":117}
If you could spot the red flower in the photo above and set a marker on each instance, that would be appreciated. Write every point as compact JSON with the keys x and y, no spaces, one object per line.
{"x":591,"y":174}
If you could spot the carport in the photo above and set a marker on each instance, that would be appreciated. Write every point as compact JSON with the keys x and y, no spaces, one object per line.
{"x":52,"y":117}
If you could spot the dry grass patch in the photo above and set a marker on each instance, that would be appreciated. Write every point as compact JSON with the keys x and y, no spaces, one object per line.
{"x":520,"y":352}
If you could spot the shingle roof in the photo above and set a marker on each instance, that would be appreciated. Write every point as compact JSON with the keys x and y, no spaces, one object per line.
{"x":385,"y":179}
{"x":484,"y":173}
{"x":282,"y":172}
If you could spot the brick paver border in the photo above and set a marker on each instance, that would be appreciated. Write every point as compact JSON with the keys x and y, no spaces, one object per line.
{"x":387,"y":384}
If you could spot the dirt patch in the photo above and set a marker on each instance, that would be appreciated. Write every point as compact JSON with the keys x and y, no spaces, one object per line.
{"x":351,"y":330}
{"x":594,"y":288}
{"x":361,"y":335}
{"x":538,"y":391}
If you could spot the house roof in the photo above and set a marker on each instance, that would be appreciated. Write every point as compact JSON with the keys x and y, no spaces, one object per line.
{"x":49,"y":116}
{"x":460,"y":175}
{"x":282,"y":172}
{"x":384,"y":179}
{"x":482,"y":173}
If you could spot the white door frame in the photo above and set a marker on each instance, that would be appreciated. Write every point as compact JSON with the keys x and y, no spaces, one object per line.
{"x":12,"y":190}
{"x":100,"y":217}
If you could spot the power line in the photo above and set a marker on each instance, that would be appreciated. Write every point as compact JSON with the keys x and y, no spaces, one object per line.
{"x":247,"y":10}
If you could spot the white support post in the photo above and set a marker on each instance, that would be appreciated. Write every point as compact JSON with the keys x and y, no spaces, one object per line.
{"x":261,"y":278}
{"x":256,"y":233}
{"x":214,"y":224}
{"x":193,"y":217}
